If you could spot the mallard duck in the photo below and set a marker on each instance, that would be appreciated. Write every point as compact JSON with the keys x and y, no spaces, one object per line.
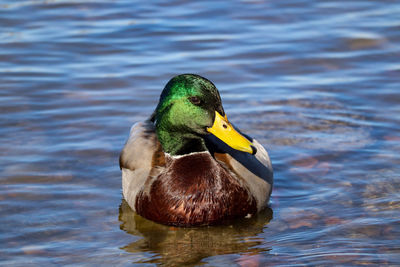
{"x":187,"y":165}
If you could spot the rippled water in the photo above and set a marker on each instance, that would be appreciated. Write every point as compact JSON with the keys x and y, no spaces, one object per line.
{"x":316,"y":82}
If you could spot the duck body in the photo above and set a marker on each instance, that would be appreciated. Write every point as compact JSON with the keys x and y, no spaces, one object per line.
{"x":200,"y":181}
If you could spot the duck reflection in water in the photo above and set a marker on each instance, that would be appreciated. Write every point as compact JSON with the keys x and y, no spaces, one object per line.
{"x":174,"y":246}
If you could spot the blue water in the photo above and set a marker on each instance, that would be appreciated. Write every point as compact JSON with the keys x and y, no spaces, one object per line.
{"x":316,"y":82}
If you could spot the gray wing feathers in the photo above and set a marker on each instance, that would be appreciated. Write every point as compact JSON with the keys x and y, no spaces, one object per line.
{"x":136,"y":160}
{"x":256,"y":170}
{"x":140,"y":147}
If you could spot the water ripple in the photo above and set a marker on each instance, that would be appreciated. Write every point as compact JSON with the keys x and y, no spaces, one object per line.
{"x":316,"y":82}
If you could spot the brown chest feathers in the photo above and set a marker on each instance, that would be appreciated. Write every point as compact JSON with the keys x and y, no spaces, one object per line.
{"x":194,"y":190}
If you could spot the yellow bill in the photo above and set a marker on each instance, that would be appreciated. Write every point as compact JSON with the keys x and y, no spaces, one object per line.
{"x":223,"y":130}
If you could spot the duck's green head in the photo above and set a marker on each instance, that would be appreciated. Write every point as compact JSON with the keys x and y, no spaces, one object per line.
{"x":189,"y":109}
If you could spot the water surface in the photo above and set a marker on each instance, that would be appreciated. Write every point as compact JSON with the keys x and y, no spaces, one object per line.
{"x":316,"y":82}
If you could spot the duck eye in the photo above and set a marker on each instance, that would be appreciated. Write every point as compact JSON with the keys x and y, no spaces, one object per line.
{"x":195,"y":100}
